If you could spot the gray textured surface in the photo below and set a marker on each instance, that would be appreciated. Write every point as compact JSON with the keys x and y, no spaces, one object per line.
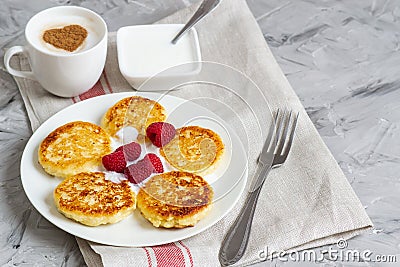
{"x":341,"y":58}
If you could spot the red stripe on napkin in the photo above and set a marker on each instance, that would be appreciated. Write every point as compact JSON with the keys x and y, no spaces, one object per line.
{"x":96,"y":90}
{"x":169,"y":255}
{"x":148,"y":257}
{"x":188,"y":252}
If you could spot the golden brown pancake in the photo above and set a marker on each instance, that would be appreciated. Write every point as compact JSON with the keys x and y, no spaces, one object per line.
{"x":73,"y":148}
{"x":92,"y":200}
{"x":194,"y":149}
{"x":175,"y":199}
{"x":135,"y":111}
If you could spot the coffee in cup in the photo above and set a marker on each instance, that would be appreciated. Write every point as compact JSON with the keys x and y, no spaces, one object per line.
{"x":67,"y":49}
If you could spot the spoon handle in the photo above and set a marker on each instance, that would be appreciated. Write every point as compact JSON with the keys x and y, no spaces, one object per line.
{"x":206,"y":7}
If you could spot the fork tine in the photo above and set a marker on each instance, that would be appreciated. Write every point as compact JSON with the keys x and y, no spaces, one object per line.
{"x":289,"y":143}
{"x":283,"y":136}
{"x":276,"y":129}
{"x":273,"y":133}
{"x":270,"y":140}
{"x":279,"y":130}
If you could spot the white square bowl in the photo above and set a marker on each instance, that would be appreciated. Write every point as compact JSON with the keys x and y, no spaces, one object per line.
{"x":146,"y":51}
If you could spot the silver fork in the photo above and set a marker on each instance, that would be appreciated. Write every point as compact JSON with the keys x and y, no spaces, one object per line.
{"x":276,"y":149}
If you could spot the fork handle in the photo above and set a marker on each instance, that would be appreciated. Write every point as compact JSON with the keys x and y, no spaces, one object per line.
{"x":235,"y":242}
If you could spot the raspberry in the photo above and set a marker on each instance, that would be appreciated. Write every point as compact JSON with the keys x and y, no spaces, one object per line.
{"x":155,"y":163}
{"x":114,"y":162}
{"x":160,"y":133}
{"x":131,"y":151}
{"x":138,"y":172}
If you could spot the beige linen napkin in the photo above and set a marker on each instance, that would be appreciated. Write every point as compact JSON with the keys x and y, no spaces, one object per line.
{"x":306,"y":203}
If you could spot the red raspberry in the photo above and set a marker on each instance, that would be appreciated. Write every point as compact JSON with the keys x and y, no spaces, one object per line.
{"x":155,"y":162}
{"x":138,"y":172}
{"x":114,"y":162}
{"x":131,"y":151}
{"x":160,"y":133}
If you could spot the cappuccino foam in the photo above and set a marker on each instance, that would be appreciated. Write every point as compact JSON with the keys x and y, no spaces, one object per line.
{"x":59,"y":22}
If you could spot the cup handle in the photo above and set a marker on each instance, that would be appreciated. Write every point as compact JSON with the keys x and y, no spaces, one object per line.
{"x":8,"y":55}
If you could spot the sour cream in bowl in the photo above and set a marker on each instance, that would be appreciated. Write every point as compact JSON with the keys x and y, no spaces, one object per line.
{"x":146,"y":51}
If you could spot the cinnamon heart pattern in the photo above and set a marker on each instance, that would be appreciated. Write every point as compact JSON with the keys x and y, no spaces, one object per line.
{"x":68,"y":38}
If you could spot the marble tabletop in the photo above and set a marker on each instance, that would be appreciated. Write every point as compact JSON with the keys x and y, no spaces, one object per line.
{"x":342,"y":59}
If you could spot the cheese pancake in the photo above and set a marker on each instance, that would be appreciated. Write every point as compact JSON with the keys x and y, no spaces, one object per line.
{"x":194,"y":149}
{"x":135,"y":111}
{"x":92,"y":200}
{"x":73,"y":148}
{"x":175,"y":199}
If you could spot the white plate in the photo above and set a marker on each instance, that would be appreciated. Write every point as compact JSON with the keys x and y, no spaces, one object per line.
{"x":135,"y":230}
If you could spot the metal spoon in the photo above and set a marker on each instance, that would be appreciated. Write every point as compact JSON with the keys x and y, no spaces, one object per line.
{"x":206,"y":7}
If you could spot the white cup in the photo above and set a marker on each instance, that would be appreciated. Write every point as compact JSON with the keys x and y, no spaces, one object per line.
{"x":60,"y":72}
